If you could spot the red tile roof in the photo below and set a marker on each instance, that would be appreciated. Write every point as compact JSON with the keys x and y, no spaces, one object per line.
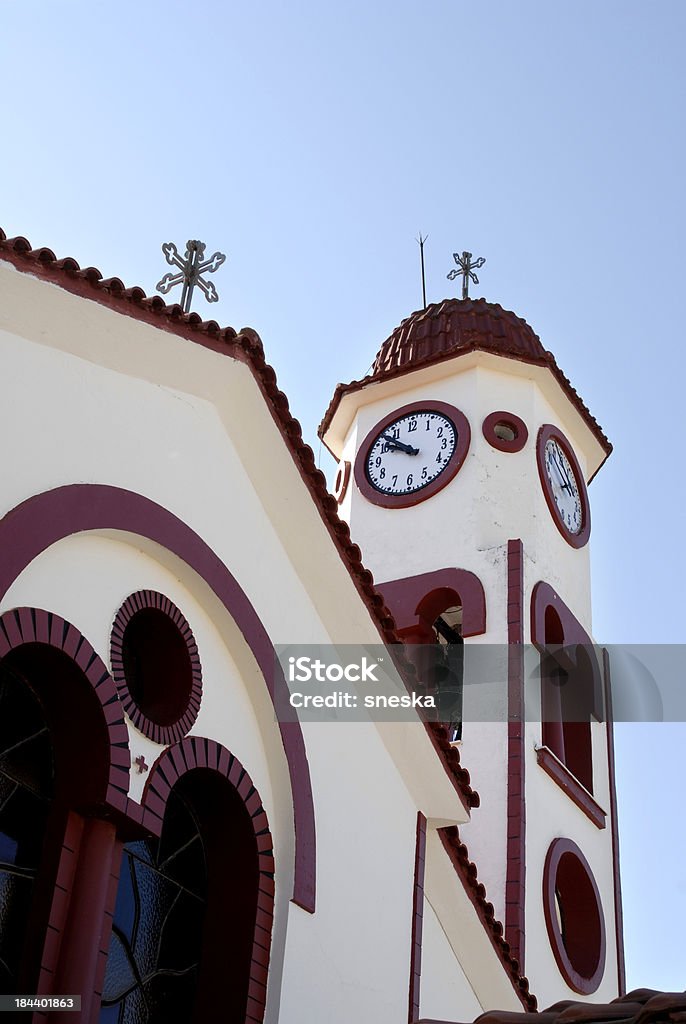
{"x":642,"y":1006}
{"x":453,"y":327}
{"x":468,"y":874}
{"x":445,"y":327}
{"x":245,"y":346}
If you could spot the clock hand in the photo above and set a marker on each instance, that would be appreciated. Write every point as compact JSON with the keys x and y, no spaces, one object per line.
{"x":400,"y":446}
{"x":562,"y":474}
{"x":566,"y":476}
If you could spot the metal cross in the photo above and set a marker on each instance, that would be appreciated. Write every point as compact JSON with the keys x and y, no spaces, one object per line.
{"x":191,"y":267}
{"x":142,"y":766}
{"x":466,"y":271}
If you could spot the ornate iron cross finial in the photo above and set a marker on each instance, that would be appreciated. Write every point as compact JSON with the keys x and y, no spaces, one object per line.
{"x":466,"y":271}
{"x":191,"y":267}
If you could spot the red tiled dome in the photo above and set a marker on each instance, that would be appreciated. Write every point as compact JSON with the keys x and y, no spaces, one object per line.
{"x":458,"y":324}
{"x":450,"y":328}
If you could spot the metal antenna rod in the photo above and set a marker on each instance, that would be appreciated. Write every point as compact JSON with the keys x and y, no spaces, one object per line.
{"x":421,"y":241}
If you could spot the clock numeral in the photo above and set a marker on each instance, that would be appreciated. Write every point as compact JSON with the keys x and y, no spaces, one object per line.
{"x":439,"y":457}
{"x":382,"y":473}
{"x":412,"y":426}
{"x":444,"y":443}
{"x":439,"y":432}
{"x":377,"y":461}
{"x":395,"y":432}
{"x":428,"y":424}
{"x":425,"y":473}
{"x":410,"y":478}
{"x":395,"y":480}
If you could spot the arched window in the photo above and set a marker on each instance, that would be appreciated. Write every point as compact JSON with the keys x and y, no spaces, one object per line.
{"x":191,"y":895}
{"x":440,"y":613}
{"x":434,"y":612}
{"x":54,"y":755}
{"x":186,"y":910}
{"x":569,"y":683}
{"x":26,"y":791}
{"x":156,"y":941}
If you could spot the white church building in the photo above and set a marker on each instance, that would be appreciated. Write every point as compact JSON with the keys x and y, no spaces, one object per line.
{"x":171,"y":849}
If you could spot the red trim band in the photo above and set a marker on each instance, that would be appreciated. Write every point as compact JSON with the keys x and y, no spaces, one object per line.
{"x":561,"y":774}
{"x":417,"y":918}
{"x":515,"y":876}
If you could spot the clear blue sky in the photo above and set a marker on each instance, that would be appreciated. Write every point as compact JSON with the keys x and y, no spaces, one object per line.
{"x":312,"y":142}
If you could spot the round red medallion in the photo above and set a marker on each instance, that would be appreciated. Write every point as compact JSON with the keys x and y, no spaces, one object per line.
{"x":505,"y":431}
{"x":155,"y":666}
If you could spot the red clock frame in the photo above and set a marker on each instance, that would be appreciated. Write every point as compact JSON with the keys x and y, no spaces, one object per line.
{"x":463,"y":441}
{"x":546,"y":433}
{"x":505,"y":419}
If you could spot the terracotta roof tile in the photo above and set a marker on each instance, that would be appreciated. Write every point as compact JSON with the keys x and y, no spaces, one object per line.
{"x":444,"y":327}
{"x":246,"y":346}
{"x":642,"y":1006}
{"x":468,"y":873}
{"x":453,"y":327}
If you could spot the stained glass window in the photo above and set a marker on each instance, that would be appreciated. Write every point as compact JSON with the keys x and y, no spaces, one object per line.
{"x":155,"y":948}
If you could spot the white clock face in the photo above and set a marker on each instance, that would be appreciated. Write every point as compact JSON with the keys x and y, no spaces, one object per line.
{"x":411,"y":452}
{"x":564,"y":486}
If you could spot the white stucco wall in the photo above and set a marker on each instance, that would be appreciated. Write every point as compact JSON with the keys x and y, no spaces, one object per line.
{"x":96,"y":397}
{"x":445,"y":989}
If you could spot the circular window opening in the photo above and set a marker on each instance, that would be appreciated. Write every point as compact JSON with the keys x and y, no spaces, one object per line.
{"x":341,"y":482}
{"x":574,"y":916}
{"x":156,"y":667}
{"x":505,"y":431}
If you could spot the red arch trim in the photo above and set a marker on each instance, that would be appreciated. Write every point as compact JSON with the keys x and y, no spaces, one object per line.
{"x":42,"y":520}
{"x":197,"y":752}
{"x":407,"y":598}
{"x":543,"y":597}
{"x":34,"y":625}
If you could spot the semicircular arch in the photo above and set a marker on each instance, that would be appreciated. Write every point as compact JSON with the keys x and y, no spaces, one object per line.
{"x":44,"y":519}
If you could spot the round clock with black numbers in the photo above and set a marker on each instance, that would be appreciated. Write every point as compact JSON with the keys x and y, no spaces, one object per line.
{"x":412,"y":454}
{"x":563,"y":485}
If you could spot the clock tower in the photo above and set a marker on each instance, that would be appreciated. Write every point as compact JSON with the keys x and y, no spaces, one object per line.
{"x":463,"y":465}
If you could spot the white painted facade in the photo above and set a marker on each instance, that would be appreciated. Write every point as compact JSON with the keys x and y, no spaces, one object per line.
{"x":91,"y":395}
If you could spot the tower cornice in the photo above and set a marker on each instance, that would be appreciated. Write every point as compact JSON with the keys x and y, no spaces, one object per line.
{"x":456,"y":327}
